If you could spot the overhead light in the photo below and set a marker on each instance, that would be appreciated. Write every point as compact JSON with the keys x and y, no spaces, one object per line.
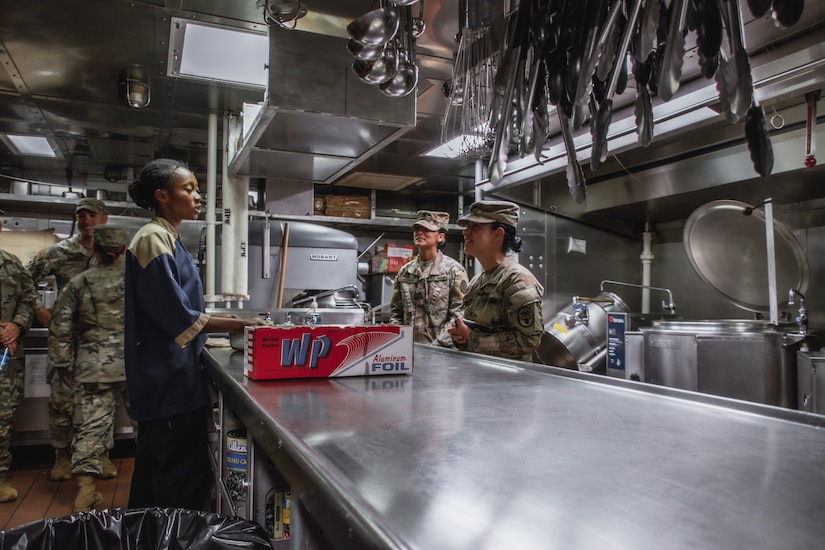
{"x":281,"y":12}
{"x":36,"y":146}
{"x":134,"y":87}
{"x":212,"y":52}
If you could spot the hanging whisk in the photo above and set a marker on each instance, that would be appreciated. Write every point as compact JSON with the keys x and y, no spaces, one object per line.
{"x":466,"y":131}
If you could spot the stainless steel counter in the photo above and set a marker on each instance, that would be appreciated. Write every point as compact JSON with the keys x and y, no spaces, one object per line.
{"x":471,"y":452}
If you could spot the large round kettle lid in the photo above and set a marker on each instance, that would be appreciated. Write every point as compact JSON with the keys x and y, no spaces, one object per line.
{"x":728,"y":250}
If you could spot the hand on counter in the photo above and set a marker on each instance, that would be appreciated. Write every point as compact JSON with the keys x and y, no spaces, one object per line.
{"x":230,"y":322}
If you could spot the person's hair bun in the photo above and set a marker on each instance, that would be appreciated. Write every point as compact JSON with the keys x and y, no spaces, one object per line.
{"x":138,"y":194}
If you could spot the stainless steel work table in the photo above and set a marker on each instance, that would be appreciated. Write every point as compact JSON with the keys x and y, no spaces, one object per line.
{"x":474,"y":452}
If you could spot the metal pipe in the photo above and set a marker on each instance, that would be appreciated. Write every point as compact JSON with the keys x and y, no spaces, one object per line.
{"x":322,"y":294}
{"x":211,"y":189}
{"x":593,"y":362}
{"x":647,"y":265}
{"x":228,"y":243}
{"x":670,"y":306}
{"x":479,"y":195}
{"x":361,"y":255}
{"x":771,"y":256}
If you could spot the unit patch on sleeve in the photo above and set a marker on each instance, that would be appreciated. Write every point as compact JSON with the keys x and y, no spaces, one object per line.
{"x":525,"y":317}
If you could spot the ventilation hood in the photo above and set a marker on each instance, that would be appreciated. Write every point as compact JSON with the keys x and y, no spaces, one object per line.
{"x":318,"y":120}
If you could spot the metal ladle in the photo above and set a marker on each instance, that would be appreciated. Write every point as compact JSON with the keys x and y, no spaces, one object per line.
{"x":417,"y":24}
{"x":405,"y":78}
{"x":377,"y":71}
{"x":364,"y":53}
{"x":375,"y":28}
{"x":403,"y":81}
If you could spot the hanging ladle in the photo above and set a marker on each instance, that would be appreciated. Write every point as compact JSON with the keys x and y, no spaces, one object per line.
{"x":418,"y":25}
{"x":377,"y":71}
{"x":364,"y":53}
{"x":404,"y":80}
{"x":375,"y":28}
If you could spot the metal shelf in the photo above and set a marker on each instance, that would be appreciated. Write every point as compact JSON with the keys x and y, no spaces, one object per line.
{"x":41,"y":204}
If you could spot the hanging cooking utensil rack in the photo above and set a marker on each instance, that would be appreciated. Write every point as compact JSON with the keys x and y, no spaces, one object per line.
{"x":466,"y":131}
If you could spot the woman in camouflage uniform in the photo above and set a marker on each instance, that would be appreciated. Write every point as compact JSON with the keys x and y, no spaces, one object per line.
{"x":503,"y":305}
{"x":428,"y":290}
{"x":64,"y":260}
{"x":17,"y":301}
{"x":87,"y":339}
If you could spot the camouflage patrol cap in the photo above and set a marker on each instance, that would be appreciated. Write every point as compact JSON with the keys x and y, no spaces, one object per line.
{"x":109,"y":236}
{"x":491,"y":211}
{"x":90,"y":204}
{"x":434,"y":221}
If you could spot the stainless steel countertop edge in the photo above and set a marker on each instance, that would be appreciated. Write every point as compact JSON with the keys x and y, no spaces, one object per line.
{"x":317,"y":488}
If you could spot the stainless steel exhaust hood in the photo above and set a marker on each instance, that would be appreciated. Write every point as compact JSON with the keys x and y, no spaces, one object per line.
{"x":318,"y":121}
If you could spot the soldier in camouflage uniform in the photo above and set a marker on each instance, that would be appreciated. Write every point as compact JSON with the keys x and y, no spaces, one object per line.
{"x":64,"y":260}
{"x":17,"y":301}
{"x":428,"y":290}
{"x":86,"y":338}
{"x":503,"y":305}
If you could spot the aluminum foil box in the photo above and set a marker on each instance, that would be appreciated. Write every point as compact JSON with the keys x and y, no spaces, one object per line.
{"x":324,"y":351}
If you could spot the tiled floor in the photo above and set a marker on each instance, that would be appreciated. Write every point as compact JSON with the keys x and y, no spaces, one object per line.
{"x":39,"y":497}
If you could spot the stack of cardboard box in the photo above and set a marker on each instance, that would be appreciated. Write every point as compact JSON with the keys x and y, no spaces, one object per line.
{"x":390,"y":257}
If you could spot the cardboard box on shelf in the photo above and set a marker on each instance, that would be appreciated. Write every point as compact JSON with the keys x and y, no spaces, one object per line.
{"x":324,"y":351}
{"x":384,"y":264}
{"x":319,"y":206}
{"x":392,"y":249}
{"x":347,"y":206}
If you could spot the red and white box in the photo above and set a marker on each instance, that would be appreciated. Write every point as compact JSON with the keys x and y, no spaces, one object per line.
{"x":327,"y":351}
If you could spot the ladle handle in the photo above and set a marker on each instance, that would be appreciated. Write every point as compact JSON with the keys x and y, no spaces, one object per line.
{"x":282,"y":275}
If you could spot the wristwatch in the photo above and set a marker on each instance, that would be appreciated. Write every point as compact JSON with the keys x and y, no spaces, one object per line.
{"x":22,"y":330}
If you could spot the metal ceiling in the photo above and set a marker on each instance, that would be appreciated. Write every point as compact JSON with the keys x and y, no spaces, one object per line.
{"x":61,"y":63}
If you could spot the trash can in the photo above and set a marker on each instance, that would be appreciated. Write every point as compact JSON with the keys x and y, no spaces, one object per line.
{"x":156,"y":528}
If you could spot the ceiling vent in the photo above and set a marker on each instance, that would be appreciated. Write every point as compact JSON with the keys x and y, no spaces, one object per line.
{"x":371,"y":180}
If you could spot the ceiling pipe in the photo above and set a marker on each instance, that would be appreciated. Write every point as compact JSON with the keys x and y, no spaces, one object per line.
{"x":228,"y":243}
{"x":647,"y":266}
{"x":240,"y":224}
{"x":211,"y":189}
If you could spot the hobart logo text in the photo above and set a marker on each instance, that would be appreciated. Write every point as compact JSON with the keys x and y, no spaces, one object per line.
{"x":323,"y":257}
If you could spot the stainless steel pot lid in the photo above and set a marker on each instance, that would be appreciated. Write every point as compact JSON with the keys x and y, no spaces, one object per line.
{"x":728,"y":251}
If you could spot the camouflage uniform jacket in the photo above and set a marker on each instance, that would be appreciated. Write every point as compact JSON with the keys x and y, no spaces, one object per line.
{"x":86,"y":332}
{"x":17,"y":294}
{"x":508,"y":300}
{"x":428,"y":296}
{"x":64,"y":260}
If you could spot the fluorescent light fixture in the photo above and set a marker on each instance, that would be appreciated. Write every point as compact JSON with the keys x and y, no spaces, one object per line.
{"x":36,"y":146}
{"x":211,"y":52}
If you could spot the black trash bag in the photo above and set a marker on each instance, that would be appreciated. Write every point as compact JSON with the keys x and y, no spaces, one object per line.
{"x":144,"y":528}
